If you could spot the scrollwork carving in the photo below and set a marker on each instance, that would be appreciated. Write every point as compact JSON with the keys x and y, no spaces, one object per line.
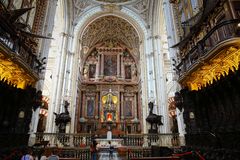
{"x":79,"y":7}
{"x":113,"y":1}
{"x":142,"y":8}
{"x":110,"y":29}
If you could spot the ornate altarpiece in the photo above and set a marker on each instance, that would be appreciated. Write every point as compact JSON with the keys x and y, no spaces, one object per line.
{"x":109,"y":91}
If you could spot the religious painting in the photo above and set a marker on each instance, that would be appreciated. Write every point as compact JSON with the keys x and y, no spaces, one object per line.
{"x":128,"y":109}
{"x":90,"y":107}
{"x":92,"y":70}
{"x":109,"y":117}
{"x":110,"y":65}
{"x":128,"y":74}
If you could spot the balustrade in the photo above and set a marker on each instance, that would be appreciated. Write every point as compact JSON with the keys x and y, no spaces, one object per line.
{"x":7,"y":42}
{"x":151,"y":139}
{"x":78,"y":140}
{"x":78,"y":145}
{"x":23,"y":53}
{"x":202,"y":50}
{"x":64,"y":140}
{"x":138,"y":152}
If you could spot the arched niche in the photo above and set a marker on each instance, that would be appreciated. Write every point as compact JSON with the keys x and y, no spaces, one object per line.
{"x":109,"y":61}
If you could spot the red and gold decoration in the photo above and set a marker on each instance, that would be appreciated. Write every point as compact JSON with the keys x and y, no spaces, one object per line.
{"x":109,"y":110}
{"x":227,"y":59}
{"x":43,"y":112}
{"x":110,"y":77}
{"x":109,"y":117}
{"x":44,"y":108}
{"x":172,"y":107}
{"x":14,"y":73}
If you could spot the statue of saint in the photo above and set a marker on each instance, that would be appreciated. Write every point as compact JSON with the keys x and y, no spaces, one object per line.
{"x":85,"y":71}
{"x":134,"y":72}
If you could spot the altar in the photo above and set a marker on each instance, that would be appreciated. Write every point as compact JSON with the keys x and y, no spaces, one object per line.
{"x":104,"y":143}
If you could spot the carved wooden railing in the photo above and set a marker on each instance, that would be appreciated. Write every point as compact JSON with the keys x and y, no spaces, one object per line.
{"x":138,"y":152}
{"x":7,"y":42}
{"x":80,"y":153}
{"x":78,"y":140}
{"x":64,"y":140}
{"x":148,"y":140}
{"x":20,"y":52}
{"x":222,"y":32}
{"x":133,"y":145}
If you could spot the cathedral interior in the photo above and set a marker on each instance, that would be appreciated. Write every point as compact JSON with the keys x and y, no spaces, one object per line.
{"x":155,"y":79}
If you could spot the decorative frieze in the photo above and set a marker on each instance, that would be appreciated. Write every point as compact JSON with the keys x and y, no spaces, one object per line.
{"x":41,"y":8}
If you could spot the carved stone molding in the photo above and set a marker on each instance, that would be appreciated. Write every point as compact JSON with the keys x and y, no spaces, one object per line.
{"x":110,"y":28}
{"x":113,"y":1}
{"x":79,"y":6}
{"x":109,"y":62}
{"x":142,"y":8}
{"x":211,"y":71}
{"x":39,"y":16}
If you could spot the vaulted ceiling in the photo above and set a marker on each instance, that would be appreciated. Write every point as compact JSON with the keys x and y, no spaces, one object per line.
{"x":114,"y":1}
{"x":110,"y":28}
{"x":141,"y":7}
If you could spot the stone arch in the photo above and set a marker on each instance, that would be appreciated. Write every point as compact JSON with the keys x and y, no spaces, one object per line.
{"x":132,"y":18}
{"x":119,"y":32}
{"x":96,"y":12}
